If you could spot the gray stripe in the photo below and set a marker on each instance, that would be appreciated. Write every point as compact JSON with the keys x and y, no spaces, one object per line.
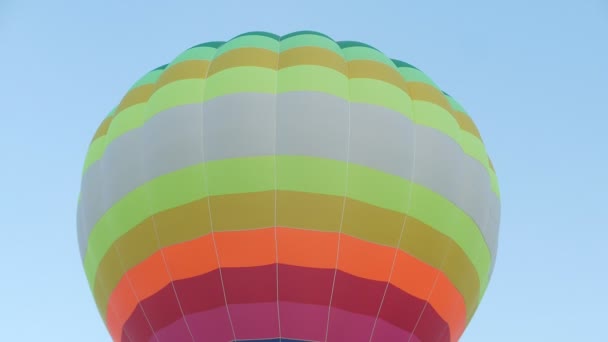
{"x":317,"y":128}
{"x":314,"y":124}
{"x":493,"y":228}
{"x":382,"y":139}
{"x":235,"y":127}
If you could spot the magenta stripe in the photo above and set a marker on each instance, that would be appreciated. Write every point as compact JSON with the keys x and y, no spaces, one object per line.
{"x":345,"y":326}
{"x":298,"y":321}
{"x":305,"y":321}
{"x":245,"y":286}
{"x":387,"y":332}
{"x":252,"y":321}
{"x":210,"y":325}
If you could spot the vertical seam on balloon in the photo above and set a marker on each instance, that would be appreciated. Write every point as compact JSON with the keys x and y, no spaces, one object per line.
{"x":206,"y":185}
{"x":106,"y":292}
{"x":405,"y":217}
{"x":331,"y":296}
{"x":160,"y":247}
{"x":457,"y":178}
{"x":162,"y":254}
{"x":479,"y":248}
{"x":426,"y":302}
{"x":276,"y":241}
{"x":139,"y":301}
{"x":122,"y":265}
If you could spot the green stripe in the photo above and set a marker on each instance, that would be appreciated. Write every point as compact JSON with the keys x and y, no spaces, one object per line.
{"x":306,"y":78}
{"x":260,"y":34}
{"x":254,"y":41}
{"x":309,"y":174}
{"x":239,"y":80}
{"x":415,"y":75}
{"x":345,"y":44}
{"x":175,"y":94}
{"x":380,"y":93}
{"x":300,"y":78}
{"x":402,"y":64}
{"x":242,"y":175}
{"x":455,"y":105}
{"x":215,"y":44}
{"x":310,"y":40}
{"x":204,"y":53}
{"x":129,"y":119}
{"x":95,"y":152}
{"x":305,"y":33}
{"x":149,"y":78}
{"x":291,"y":79}
{"x":432,"y":115}
{"x":363,"y":53}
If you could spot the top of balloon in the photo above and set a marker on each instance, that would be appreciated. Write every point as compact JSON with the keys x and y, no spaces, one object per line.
{"x":371,"y":139}
{"x":352,"y":58}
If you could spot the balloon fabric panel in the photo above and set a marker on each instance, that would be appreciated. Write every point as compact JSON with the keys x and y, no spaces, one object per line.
{"x":287,"y":188}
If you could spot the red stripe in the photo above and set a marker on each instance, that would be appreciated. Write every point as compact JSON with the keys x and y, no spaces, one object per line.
{"x":296,"y":284}
{"x":257,"y":248}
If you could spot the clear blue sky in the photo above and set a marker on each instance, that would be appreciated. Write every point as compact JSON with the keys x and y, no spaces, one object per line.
{"x":532,"y":74}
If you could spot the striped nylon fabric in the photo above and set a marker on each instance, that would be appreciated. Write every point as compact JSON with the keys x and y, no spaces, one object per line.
{"x":287,"y":188}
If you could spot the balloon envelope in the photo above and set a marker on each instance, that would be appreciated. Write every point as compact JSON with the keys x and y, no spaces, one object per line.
{"x":288,"y":187}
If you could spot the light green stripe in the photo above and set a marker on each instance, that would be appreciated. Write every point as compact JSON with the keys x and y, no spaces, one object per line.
{"x":306,"y":78}
{"x":171,"y":190}
{"x":415,"y":75}
{"x":441,"y":214}
{"x":370,"y":186}
{"x":236,"y":80}
{"x":149,"y":78}
{"x":240,"y":80}
{"x":309,"y":174}
{"x":432,"y":115}
{"x":205,"y":53}
{"x":174,"y":94}
{"x":435,"y":116}
{"x":380,"y":93}
{"x":128,"y":119}
{"x":228,"y":177}
{"x":455,"y":105}
{"x":95,"y":152}
{"x":365,"y":53}
{"x":310,"y":40}
{"x":297,"y":78}
{"x":474,"y":147}
{"x":240,"y":175}
{"x":380,"y":189}
{"x":249,"y":41}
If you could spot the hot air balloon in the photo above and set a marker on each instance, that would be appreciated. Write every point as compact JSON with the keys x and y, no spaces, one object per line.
{"x":287,"y":188}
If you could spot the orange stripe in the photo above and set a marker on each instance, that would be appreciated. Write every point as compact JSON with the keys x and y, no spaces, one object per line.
{"x":443,"y":294}
{"x":191,"y":258}
{"x":123,"y":303}
{"x":295,"y":246}
{"x":247,"y":248}
{"x":444,"y":297}
{"x":355,"y":259}
{"x":257,"y":248}
{"x":149,"y":276}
